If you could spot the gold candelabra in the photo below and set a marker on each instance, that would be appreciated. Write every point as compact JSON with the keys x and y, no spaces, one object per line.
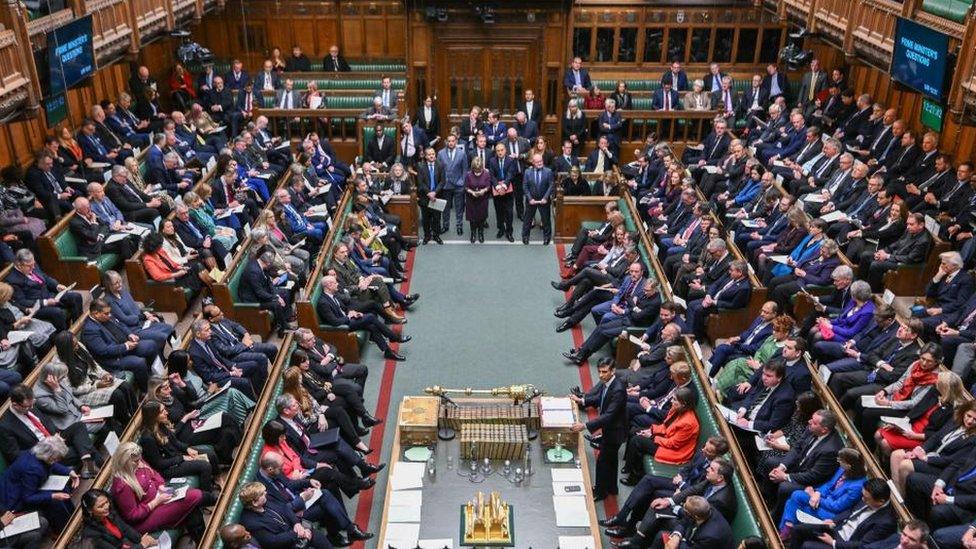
{"x":487,"y":521}
{"x":518,"y":393}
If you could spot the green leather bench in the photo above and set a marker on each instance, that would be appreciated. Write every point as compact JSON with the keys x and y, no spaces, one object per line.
{"x":378,"y":67}
{"x":59,"y":257}
{"x":370,"y":84}
{"x":361,"y":337}
{"x":953,"y":10}
{"x":256,"y":320}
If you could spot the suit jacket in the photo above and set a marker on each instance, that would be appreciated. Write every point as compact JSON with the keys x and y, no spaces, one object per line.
{"x":569,"y":80}
{"x":910,"y":249}
{"x":255,"y":285}
{"x":16,"y":437}
{"x":952,"y":296}
{"x":236,"y":81}
{"x":424,"y":183}
{"x":608,"y":160}
{"x":735,"y":296}
{"x":431,"y":126}
{"x":331,"y":312}
{"x":809,"y":463}
{"x":767,"y":82}
{"x":337,"y":64}
{"x":529,"y":130}
{"x":455,"y":169}
{"x":276,"y":489}
{"x":748,"y":98}
{"x":758,"y":330}
{"x":722,"y":500}
{"x":678,"y":82}
{"x":612,"y":412}
{"x":262,"y":77}
{"x":536,"y":114}
{"x":818,"y":82}
{"x":296,"y":98}
{"x":881,"y":524}
{"x":657,"y":101}
{"x":211,"y":367}
{"x":228,"y":345}
{"x":714,"y":533}
{"x":541,"y":187}
{"x":20,"y":486}
{"x":225,"y":100}
{"x":775,"y":412}
{"x":385,"y":154}
{"x":712,"y":82}
{"x":28,"y":291}
{"x":270,"y":531}
{"x":715,"y":148}
{"x":128,"y":200}
{"x":101,"y":342}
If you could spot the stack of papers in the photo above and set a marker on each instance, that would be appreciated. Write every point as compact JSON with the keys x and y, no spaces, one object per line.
{"x":55,"y":483}
{"x":902,"y":423}
{"x":867,"y":401}
{"x":102,"y":412}
{"x":576,"y":542}
{"x":567,"y":475}
{"x":761,"y":443}
{"x":407,"y":476}
{"x":571,"y":511}
{"x":405,"y":506}
{"x":807,"y":518}
{"x":556,"y":412}
{"x":401,"y":535}
{"x":21,"y":524}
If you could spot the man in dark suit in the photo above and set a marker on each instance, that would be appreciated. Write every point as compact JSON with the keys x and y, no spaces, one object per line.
{"x":92,"y":147}
{"x":811,"y":461}
{"x":539,"y":186}
{"x":947,"y":498}
{"x":811,"y":84}
{"x":267,"y":79}
{"x":136,"y":206}
{"x":676,"y":76}
{"x":666,"y":98}
{"x":867,"y":523}
{"x":563,"y":162}
{"x":602,"y":158}
{"x":526,"y":128}
{"x":729,"y":292}
{"x":531,"y":108}
{"x":234,"y":342}
{"x":295,"y":493}
{"x":502,"y":170}
{"x":221,"y":102}
{"x":236,"y":78}
{"x":754,"y":103}
{"x":24,"y":425}
{"x":714,"y":148}
{"x":858,"y":127}
{"x":347,"y":377}
{"x":880,"y":367}
{"x":948,"y":290}
{"x":335,"y":62}
{"x":701,"y":526}
{"x":577,"y":79}
{"x":911,"y":249}
{"x":31,"y":286}
{"x":256,"y":287}
{"x":331,"y":311}
{"x":116,"y":347}
{"x":381,"y":148}
{"x":592,"y":236}
{"x":430,"y":184}
{"x":713,"y":80}
{"x":49,"y":187}
{"x":245,"y":376}
{"x":747,"y":342}
{"x":609,"y":398}
{"x":716,"y":488}
{"x":768,"y":405}
{"x":195,"y":237}
{"x":723,"y":100}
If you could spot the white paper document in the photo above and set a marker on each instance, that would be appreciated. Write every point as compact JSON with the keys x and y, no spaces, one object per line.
{"x":814,"y":198}
{"x":438,"y":204}
{"x":762,"y":446}
{"x":116,"y":237}
{"x":407,"y":475}
{"x":99,"y":413}
{"x":164,"y":541}
{"x":401,"y":535}
{"x":711,"y":169}
{"x":576,"y":542}
{"x":212,"y":422}
{"x":64,"y":291}
{"x":179,"y":493}
{"x":902,"y":423}
{"x":435,"y":543}
{"x":111,"y":442}
{"x":833,"y":216}
{"x":55,"y":483}
{"x":807,"y":518}
{"x":729,"y":414}
{"x":779,"y":258}
{"x":571,"y":511}
{"x":567,"y":475}
{"x":555,"y":403}
{"x":558,"y":418}
{"x":867,"y":401}
{"x":21,"y":524}
{"x":16,"y":336}
{"x":316,"y":494}
{"x":750,"y":223}
{"x":825,"y":373}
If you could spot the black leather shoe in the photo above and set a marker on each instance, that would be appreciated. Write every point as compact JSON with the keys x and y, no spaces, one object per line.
{"x":499,"y":234}
{"x":460,"y":231}
{"x":563,"y":327}
{"x":610,"y":522}
{"x":561,"y":313}
{"x":411,"y":299}
{"x":510,"y":238}
{"x":591,"y":438}
{"x":368,"y":468}
{"x":525,"y":241}
{"x":338,"y":541}
{"x":557,"y":286}
{"x":545,"y":242}
{"x":370,"y":420}
{"x":355,"y":534}
{"x":367,"y":483}
{"x":621,"y":531}
{"x":390,"y":355}
{"x":438,"y":240}
{"x":362,"y":431}
{"x":624,"y":543}
{"x":404,"y":338}
{"x":630,"y":480}
{"x":425,"y":241}
{"x":599,"y":497}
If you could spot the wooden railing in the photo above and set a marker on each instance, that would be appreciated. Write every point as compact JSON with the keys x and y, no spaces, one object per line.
{"x":149,"y":18}
{"x":48,"y":23}
{"x":111,"y":28}
{"x":14,"y":80}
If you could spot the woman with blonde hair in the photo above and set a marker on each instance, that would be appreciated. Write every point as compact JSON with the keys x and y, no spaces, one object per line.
{"x":13,"y":319}
{"x":398,"y":180}
{"x":273,"y":526}
{"x":144,"y":500}
{"x":574,"y":184}
{"x":954,"y":442}
{"x":204,"y":218}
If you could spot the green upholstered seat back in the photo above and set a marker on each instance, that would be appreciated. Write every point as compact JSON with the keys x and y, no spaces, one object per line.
{"x":369,"y":132}
{"x":66,"y":245}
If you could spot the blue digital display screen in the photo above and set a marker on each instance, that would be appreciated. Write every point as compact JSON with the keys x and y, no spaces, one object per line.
{"x":71,"y":54}
{"x":921,"y":58}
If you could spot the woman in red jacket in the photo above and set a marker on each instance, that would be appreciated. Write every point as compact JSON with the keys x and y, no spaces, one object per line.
{"x":181,"y":87}
{"x":672,"y":441}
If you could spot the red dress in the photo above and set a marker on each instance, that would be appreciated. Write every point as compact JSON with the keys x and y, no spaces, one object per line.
{"x":897,"y":441}
{"x":136,"y":511}
{"x":291,"y":461}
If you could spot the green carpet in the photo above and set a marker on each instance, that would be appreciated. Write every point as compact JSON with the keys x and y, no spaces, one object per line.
{"x":484,"y":320}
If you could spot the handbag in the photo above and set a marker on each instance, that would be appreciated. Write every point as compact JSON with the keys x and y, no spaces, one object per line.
{"x":826,"y":332}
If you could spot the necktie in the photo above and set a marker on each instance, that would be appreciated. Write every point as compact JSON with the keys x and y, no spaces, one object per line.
{"x":335,"y":64}
{"x":54,"y":182}
{"x":929,"y":181}
{"x":723,"y":288}
{"x":881,"y":135}
{"x":450,"y":155}
{"x":755,"y":332}
{"x":603,"y":395}
{"x":576,"y":76}
{"x":430,"y":174}
{"x":667,"y":101}
{"x":813,"y":86}
{"x":968,"y":475}
{"x":37,"y":424}
{"x":760,"y":400}
{"x":728,"y":101}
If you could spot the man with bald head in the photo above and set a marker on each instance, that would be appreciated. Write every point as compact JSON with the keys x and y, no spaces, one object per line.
{"x":235,"y":536}
{"x":333,"y":312}
{"x":90,"y":233}
{"x":335,"y":62}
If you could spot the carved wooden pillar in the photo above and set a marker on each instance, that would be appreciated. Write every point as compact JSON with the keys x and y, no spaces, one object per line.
{"x":965,"y":65}
{"x":14,"y":17}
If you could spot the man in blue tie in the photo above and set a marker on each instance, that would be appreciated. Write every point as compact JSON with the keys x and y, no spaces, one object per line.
{"x":537,"y":184}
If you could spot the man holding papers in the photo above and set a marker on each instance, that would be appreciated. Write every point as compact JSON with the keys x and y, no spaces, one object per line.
{"x":31,"y":285}
{"x":609,"y":398}
{"x":768,"y":405}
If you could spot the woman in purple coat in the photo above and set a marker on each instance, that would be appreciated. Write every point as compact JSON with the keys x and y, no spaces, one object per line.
{"x":146,"y":503}
{"x":852,"y":320}
{"x":477,"y":186}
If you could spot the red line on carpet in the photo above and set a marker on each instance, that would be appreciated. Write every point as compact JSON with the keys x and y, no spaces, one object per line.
{"x":586,"y":381}
{"x":365,"y":507}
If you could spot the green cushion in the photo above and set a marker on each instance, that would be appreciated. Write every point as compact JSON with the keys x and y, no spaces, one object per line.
{"x":642,"y":103}
{"x":370,"y":131}
{"x":592,"y":225}
{"x":234,"y":281}
{"x":953,"y":10}
{"x":66,"y":245}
